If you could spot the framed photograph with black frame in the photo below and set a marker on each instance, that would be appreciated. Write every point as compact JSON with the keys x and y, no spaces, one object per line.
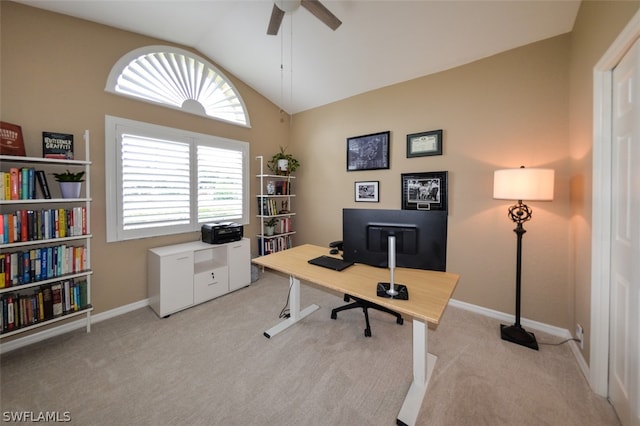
{"x":424,"y":191}
{"x":368,"y":152}
{"x":367,"y":191}
{"x":424,"y":144}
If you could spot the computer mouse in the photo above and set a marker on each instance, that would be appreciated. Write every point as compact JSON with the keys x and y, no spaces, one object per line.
{"x":333,"y":251}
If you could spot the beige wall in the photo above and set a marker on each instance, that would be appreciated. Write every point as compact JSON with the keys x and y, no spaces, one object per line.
{"x":530,"y":106}
{"x":597,"y":26}
{"x":53,"y":73}
{"x":505,"y":111}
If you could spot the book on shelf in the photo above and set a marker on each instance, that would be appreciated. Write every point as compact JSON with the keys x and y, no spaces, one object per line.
{"x":43,"y":184}
{"x":274,"y":244}
{"x":37,"y":304}
{"x":57,"y":145}
{"x":283,"y":187}
{"x":11,"y":140}
{"x":43,"y":224}
{"x":18,"y":184}
{"x":41,"y":263}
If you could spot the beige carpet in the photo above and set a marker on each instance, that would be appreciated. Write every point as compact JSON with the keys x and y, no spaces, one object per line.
{"x":211,"y":365}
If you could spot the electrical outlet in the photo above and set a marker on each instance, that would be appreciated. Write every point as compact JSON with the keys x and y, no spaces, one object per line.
{"x":580,"y":335}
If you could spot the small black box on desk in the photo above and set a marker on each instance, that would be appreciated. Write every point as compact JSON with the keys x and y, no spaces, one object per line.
{"x":221,"y":232}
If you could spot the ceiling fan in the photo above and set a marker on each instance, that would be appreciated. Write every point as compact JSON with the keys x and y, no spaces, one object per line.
{"x":317,"y":9}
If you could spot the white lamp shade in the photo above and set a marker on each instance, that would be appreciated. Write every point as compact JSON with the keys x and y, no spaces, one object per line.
{"x":523,"y":184}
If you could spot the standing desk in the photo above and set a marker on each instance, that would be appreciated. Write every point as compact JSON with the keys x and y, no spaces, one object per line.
{"x":429,"y":294}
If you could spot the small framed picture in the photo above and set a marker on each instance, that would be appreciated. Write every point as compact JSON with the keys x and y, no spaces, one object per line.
{"x":424,"y":144}
{"x":367,"y":191}
{"x":368,"y":152}
{"x":424,"y":191}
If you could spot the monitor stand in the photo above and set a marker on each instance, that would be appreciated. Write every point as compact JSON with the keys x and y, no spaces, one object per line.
{"x":391,"y":290}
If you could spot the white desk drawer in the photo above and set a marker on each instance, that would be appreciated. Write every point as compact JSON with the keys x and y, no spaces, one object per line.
{"x":210,"y":284}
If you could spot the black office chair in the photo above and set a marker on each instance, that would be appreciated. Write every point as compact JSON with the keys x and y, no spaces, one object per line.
{"x":336,"y":247}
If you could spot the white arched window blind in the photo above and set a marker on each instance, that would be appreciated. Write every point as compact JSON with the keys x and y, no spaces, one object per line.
{"x":177,"y":79}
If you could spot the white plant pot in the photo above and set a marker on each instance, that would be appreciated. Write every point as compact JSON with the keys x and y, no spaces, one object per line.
{"x":283,"y":164}
{"x":70,"y":189}
{"x":269,"y":230}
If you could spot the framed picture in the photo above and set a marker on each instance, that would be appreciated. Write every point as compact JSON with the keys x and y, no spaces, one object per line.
{"x":424,"y":144}
{"x":424,"y":191}
{"x":367,"y":191}
{"x":368,"y":152}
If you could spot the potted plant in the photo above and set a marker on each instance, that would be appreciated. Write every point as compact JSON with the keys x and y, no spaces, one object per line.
{"x":283,"y":163}
{"x":270,"y":226}
{"x":70,"y":183}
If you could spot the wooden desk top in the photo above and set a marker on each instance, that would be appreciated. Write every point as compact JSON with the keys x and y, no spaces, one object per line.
{"x":429,"y":291}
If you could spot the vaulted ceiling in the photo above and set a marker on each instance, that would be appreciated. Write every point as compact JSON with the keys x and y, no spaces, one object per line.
{"x":307,"y":64}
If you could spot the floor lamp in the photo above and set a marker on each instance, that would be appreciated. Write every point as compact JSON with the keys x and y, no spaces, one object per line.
{"x":521,"y":184}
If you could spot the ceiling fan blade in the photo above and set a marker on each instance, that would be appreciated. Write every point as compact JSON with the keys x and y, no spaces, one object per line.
{"x":318,"y":10}
{"x":275,"y":21}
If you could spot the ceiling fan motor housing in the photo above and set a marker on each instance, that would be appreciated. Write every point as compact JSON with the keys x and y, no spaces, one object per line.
{"x":287,"y":5}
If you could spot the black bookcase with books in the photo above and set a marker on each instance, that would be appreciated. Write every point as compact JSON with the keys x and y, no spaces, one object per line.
{"x":45,"y":244}
{"x":274,"y":210}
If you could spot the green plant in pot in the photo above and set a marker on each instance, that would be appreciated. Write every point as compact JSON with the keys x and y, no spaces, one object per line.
{"x":283,"y":163}
{"x":270,"y":226}
{"x":70,"y":183}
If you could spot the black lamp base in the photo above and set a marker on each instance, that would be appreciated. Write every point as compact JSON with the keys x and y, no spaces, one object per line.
{"x":518,"y":335}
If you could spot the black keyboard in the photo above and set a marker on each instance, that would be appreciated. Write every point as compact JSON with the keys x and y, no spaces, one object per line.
{"x":331,"y":263}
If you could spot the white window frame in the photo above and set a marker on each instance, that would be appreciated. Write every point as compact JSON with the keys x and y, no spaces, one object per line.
{"x":113,"y":175}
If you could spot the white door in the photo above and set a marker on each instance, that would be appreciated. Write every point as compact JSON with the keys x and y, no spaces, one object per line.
{"x":624,"y":370}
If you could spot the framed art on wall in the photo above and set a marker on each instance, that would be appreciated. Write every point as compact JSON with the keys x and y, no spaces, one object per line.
{"x":367,"y":191}
{"x":424,"y":191}
{"x":424,"y":144}
{"x":368,"y":152}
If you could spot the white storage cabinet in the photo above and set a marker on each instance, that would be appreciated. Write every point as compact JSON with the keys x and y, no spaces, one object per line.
{"x":183,"y":275}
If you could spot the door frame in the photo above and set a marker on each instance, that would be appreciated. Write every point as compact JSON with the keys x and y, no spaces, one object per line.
{"x":601,"y":205}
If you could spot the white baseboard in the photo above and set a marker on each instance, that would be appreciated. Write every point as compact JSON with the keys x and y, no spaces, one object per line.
{"x":535,"y":325}
{"x":562,"y":333}
{"x":73,"y":325}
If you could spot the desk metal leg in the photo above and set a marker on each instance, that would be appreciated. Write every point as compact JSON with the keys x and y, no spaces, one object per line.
{"x":423,"y":363}
{"x":295,"y":314}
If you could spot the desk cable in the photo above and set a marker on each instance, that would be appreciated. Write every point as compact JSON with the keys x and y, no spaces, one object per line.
{"x":284,"y":313}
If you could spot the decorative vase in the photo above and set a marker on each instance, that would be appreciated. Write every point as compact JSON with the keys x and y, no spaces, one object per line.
{"x":70,"y":189}
{"x":271,"y":188}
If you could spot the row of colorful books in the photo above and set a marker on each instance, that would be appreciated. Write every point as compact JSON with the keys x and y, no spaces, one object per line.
{"x":38,"y":304}
{"x":273,"y":245}
{"x":20,"y":184}
{"x":267,"y":206}
{"x":42,"y":263}
{"x":283,"y":187}
{"x":43,"y":224}
{"x":284,"y":225}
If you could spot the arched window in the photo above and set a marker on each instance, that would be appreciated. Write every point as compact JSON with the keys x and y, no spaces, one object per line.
{"x":177,"y":79}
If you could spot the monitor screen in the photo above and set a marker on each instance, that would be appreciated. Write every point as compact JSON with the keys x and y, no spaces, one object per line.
{"x":420,"y":237}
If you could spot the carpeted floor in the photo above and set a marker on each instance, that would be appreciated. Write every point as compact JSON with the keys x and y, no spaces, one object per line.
{"x":211,"y":365}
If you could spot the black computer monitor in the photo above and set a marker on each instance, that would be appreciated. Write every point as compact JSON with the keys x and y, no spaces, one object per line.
{"x":421,"y":237}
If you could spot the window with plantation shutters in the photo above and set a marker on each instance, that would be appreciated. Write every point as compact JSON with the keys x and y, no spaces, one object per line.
{"x":220,"y":186}
{"x":163,"y":181}
{"x":155,"y":182}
